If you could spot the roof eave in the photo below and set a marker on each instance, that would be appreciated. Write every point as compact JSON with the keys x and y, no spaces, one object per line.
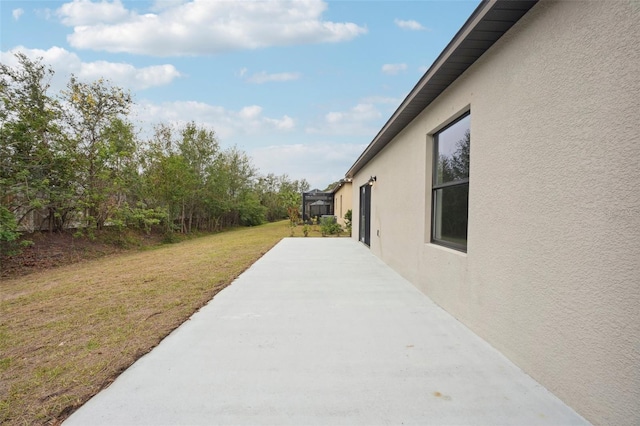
{"x":427,"y":89}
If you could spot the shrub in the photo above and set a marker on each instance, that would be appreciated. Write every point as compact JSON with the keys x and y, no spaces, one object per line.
{"x":139,"y":217}
{"x":123,"y":238}
{"x":329,"y":226}
{"x":251,"y":212}
{"x":9,"y":234}
{"x":348,"y":216}
{"x":171,"y":237}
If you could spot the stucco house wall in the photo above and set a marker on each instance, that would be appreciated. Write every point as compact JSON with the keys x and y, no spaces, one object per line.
{"x":551,"y":276}
{"x":342,"y":201}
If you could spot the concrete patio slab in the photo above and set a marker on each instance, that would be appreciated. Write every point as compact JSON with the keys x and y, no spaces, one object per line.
{"x":321,"y":332}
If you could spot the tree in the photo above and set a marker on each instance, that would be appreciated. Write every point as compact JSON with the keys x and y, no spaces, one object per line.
{"x":182,"y":169}
{"x":8,"y":232}
{"x":456,"y":165}
{"x":331,"y":186}
{"x":77,"y":157}
{"x":267,"y":189}
{"x":168,"y":178}
{"x":96,"y":122}
{"x":460,"y":158}
{"x":281,"y":196}
{"x":455,"y":168}
{"x":37,"y":160}
{"x":291,"y":196}
{"x":199,"y":148}
{"x":235,"y":178}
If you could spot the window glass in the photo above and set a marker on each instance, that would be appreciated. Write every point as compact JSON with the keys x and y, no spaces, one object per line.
{"x":450,"y":192}
{"x":451,"y":212}
{"x":453,"y":152}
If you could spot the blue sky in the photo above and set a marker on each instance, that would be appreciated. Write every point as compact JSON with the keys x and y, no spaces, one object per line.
{"x":301,"y":86}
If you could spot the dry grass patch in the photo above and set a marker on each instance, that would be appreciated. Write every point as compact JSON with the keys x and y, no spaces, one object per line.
{"x":68,"y":332}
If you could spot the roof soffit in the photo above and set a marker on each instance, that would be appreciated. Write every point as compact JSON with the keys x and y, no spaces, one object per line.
{"x":490,"y":20}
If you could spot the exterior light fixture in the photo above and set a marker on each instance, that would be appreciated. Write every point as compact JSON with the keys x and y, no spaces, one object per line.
{"x":372,"y":179}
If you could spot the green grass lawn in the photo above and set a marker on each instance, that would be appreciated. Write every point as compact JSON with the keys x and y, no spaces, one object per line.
{"x":68,"y":332}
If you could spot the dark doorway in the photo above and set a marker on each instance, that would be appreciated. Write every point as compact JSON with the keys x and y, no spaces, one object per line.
{"x":365,"y":214}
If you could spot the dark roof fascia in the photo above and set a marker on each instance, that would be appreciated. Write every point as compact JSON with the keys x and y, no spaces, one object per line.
{"x":312,"y":193}
{"x":488,"y":22}
{"x":340,"y":184}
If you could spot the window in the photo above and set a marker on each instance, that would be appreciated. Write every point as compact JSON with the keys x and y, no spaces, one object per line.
{"x":450,"y":191}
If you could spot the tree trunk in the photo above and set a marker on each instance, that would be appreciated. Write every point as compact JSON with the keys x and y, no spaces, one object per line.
{"x":182,"y":227}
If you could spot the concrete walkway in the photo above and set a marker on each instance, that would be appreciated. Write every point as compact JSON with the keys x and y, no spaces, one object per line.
{"x":319,"y":331}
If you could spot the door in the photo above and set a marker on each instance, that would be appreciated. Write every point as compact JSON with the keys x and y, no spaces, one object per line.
{"x":365,"y":214}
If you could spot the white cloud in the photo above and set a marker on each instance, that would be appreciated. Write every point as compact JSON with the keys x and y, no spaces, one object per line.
{"x":17,"y":13}
{"x":128,"y":75}
{"x":122,"y":74}
{"x":285,"y":123}
{"x":85,"y":12}
{"x":319,"y":163}
{"x":382,"y":100}
{"x":392,"y":69}
{"x":228,"y":124}
{"x":250,"y":112}
{"x":44,"y":13}
{"x":248,"y":128}
{"x":409,"y":25}
{"x":159,"y":5}
{"x":201,"y":26}
{"x":364,"y":119}
{"x":264,"y":77}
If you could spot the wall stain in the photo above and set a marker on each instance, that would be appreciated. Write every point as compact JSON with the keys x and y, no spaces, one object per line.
{"x":441,"y":396}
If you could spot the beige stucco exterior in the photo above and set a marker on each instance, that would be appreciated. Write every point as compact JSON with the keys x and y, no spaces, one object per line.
{"x":551,"y":277}
{"x":342,"y":201}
